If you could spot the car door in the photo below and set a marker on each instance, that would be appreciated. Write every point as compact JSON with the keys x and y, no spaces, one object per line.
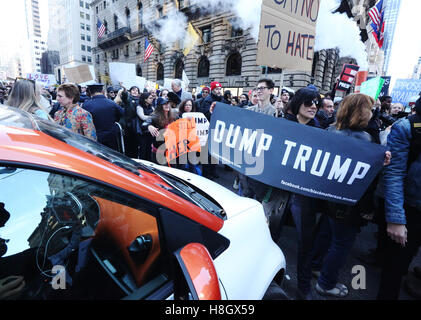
{"x":73,"y":237}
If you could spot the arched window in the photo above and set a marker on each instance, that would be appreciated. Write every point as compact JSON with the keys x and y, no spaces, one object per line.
{"x":138,"y":70}
{"x":234,"y":64}
{"x":203,"y":67}
{"x":106,"y":26}
{"x":160,"y":72}
{"x":178,"y":68}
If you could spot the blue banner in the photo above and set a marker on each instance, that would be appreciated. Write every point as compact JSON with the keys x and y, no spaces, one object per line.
{"x":292,"y":156}
{"x":404,"y":89}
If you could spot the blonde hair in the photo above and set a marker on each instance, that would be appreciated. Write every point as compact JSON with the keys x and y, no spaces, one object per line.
{"x":25,"y":95}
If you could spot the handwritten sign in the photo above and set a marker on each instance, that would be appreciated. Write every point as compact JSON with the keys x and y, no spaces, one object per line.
{"x":202,"y":125}
{"x":181,"y":138}
{"x":45,"y":79}
{"x":287,"y":34}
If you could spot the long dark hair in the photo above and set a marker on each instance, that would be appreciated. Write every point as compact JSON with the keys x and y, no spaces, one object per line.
{"x":163,"y":121}
{"x":142,"y":100}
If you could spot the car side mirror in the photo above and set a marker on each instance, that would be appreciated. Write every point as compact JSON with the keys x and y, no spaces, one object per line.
{"x":199,"y":273}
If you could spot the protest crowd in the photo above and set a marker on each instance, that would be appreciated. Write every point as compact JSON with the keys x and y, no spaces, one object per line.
{"x":133,"y":122}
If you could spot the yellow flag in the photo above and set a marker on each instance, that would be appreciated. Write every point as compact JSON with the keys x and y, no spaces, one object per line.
{"x":192,"y":38}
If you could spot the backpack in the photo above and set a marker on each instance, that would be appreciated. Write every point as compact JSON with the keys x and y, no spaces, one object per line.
{"x":415,"y":144}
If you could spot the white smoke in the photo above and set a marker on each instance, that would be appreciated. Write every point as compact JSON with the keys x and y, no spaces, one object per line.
{"x":247,"y":12}
{"x":169,"y":29}
{"x":337,"y":30}
{"x":173,"y":27}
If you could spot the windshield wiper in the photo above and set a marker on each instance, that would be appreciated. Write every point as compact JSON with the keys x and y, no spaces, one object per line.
{"x":177,"y":188}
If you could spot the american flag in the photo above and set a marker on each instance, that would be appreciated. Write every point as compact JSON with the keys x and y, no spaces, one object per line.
{"x":148,"y":50}
{"x":377,"y":17}
{"x":101,"y":28}
{"x":376,"y":13}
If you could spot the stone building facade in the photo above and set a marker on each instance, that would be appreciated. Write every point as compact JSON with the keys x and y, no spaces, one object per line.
{"x":225,"y":53}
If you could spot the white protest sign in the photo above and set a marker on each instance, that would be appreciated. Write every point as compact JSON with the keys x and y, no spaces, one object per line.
{"x":45,"y":79}
{"x":168,"y":81}
{"x":123,"y":72}
{"x":287,"y":34}
{"x":202,"y":125}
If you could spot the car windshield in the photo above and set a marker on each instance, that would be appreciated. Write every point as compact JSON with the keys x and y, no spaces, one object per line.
{"x":85,"y":144}
{"x":10,"y":116}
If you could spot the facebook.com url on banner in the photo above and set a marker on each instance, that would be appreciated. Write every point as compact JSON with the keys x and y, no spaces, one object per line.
{"x":310,"y":190}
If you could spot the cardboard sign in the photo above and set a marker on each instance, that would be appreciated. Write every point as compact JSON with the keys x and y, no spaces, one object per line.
{"x":372,"y":87}
{"x":294,"y":157}
{"x":287,"y":34}
{"x":404,"y":89}
{"x":348,"y":74}
{"x":79,"y":74}
{"x":181,"y":138}
{"x":202,"y":125}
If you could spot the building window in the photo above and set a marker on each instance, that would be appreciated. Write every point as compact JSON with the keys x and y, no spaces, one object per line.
{"x":234,"y":63}
{"x":126,"y":51}
{"x":178,"y":69}
{"x":140,"y":14}
{"x":127,"y":17}
{"x":236,"y":32}
{"x":83,"y":47}
{"x":115,"y":22}
{"x":206,"y":34}
{"x":82,"y":15}
{"x":86,"y":5}
{"x":88,"y":38}
{"x":82,"y":26}
{"x":84,"y":58}
{"x":89,"y":49}
{"x":160,"y":72}
{"x":81,"y":3}
{"x":160,"y":12}
{"x":89,"y":59}
{"x":203,"y":67}
{"x":138,"y":70}
{"x":82,"y":37}
{"x":88,"y":17}
{"x":97,"y":10}
{"x":88,"y":27}
{"x":105,"y":4}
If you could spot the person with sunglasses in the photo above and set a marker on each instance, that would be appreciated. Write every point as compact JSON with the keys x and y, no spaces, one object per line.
{"x":303,"y":110}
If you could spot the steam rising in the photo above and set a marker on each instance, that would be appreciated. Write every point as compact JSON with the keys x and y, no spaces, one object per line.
{"x":337,"y":30}
{"x":173,"y":27}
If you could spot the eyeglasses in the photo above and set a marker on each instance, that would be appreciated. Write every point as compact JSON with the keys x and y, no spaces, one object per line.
{"x":261,"y":88}
{"x":309,"y":103}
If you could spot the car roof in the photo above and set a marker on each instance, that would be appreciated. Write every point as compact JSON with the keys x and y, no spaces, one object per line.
{"x":22,"y":143}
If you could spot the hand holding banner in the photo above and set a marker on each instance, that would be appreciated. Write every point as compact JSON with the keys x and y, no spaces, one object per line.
{"x":294,"y":157}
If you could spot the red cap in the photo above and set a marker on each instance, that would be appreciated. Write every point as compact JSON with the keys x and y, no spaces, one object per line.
{"x":215,"y":85}
{"x":206,"y":88}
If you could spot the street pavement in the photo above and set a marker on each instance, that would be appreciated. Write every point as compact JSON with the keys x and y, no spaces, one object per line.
{"x":366,"y":240}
